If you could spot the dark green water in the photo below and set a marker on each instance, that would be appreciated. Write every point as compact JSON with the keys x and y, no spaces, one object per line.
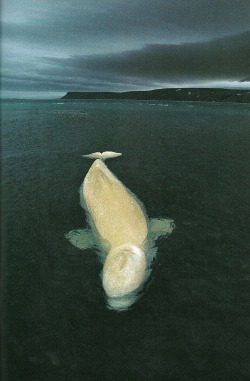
{"x":189,"y":162}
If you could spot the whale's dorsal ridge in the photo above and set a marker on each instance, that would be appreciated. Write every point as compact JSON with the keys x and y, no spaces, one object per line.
{"x":103,"y":156}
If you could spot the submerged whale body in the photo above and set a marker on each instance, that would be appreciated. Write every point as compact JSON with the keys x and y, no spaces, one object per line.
{"x":122,"y":230}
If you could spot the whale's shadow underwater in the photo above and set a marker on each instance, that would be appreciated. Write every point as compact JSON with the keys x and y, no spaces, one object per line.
{"x":120,"y":232}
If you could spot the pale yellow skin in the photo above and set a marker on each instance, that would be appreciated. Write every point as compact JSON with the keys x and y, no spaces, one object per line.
{"x":120,"y":222}
{"x":121,"y":229}
{"x":118,"y":217}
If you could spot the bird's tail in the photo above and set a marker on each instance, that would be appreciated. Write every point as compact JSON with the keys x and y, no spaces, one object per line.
{"x":102,"y":156}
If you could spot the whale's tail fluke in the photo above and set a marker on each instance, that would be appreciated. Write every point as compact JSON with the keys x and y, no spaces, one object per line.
{"x":102,"y":156}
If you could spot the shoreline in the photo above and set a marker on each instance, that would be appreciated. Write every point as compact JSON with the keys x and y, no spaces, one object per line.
{"x":176,"y":94}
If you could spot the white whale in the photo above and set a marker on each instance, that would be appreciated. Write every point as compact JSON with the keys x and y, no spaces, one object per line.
{"x":121,"y":229}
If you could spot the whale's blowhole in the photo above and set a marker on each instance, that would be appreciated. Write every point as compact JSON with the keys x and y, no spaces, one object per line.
{"x":123,"y":270}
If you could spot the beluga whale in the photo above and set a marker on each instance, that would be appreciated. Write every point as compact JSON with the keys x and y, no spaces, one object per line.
{"x":120,"y":231}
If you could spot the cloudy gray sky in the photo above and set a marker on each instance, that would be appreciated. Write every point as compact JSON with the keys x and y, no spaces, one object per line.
{"x":51,"y":47}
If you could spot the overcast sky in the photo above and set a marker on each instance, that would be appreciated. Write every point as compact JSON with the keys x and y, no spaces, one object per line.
{"x":50,"y":47}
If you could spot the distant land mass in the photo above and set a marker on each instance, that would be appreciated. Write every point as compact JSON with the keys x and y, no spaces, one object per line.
{"x":176,"y":94}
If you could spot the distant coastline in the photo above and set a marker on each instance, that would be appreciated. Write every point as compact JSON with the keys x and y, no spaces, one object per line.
{"x":176,"y":94}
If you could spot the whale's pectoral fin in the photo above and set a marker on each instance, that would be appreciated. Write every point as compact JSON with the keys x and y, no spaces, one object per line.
{"x":160,"y":227}
{"x":81,"y":238}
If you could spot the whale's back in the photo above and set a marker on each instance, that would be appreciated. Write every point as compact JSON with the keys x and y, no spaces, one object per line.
{"x":117,"y":215}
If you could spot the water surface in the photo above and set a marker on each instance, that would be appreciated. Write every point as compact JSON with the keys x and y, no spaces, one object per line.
{"x":185,"y":161}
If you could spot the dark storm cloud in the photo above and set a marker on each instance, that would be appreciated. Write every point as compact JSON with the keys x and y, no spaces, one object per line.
{"x":222,"y":59}
{"x":219,"y":59}
{"x":122,"y":45}
{"x":64,"y":22}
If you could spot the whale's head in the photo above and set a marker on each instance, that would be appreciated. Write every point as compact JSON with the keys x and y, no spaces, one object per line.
{"x":123,"y":273}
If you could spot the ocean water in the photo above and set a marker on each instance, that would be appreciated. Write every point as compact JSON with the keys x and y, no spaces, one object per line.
{"x":186,"y":161}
